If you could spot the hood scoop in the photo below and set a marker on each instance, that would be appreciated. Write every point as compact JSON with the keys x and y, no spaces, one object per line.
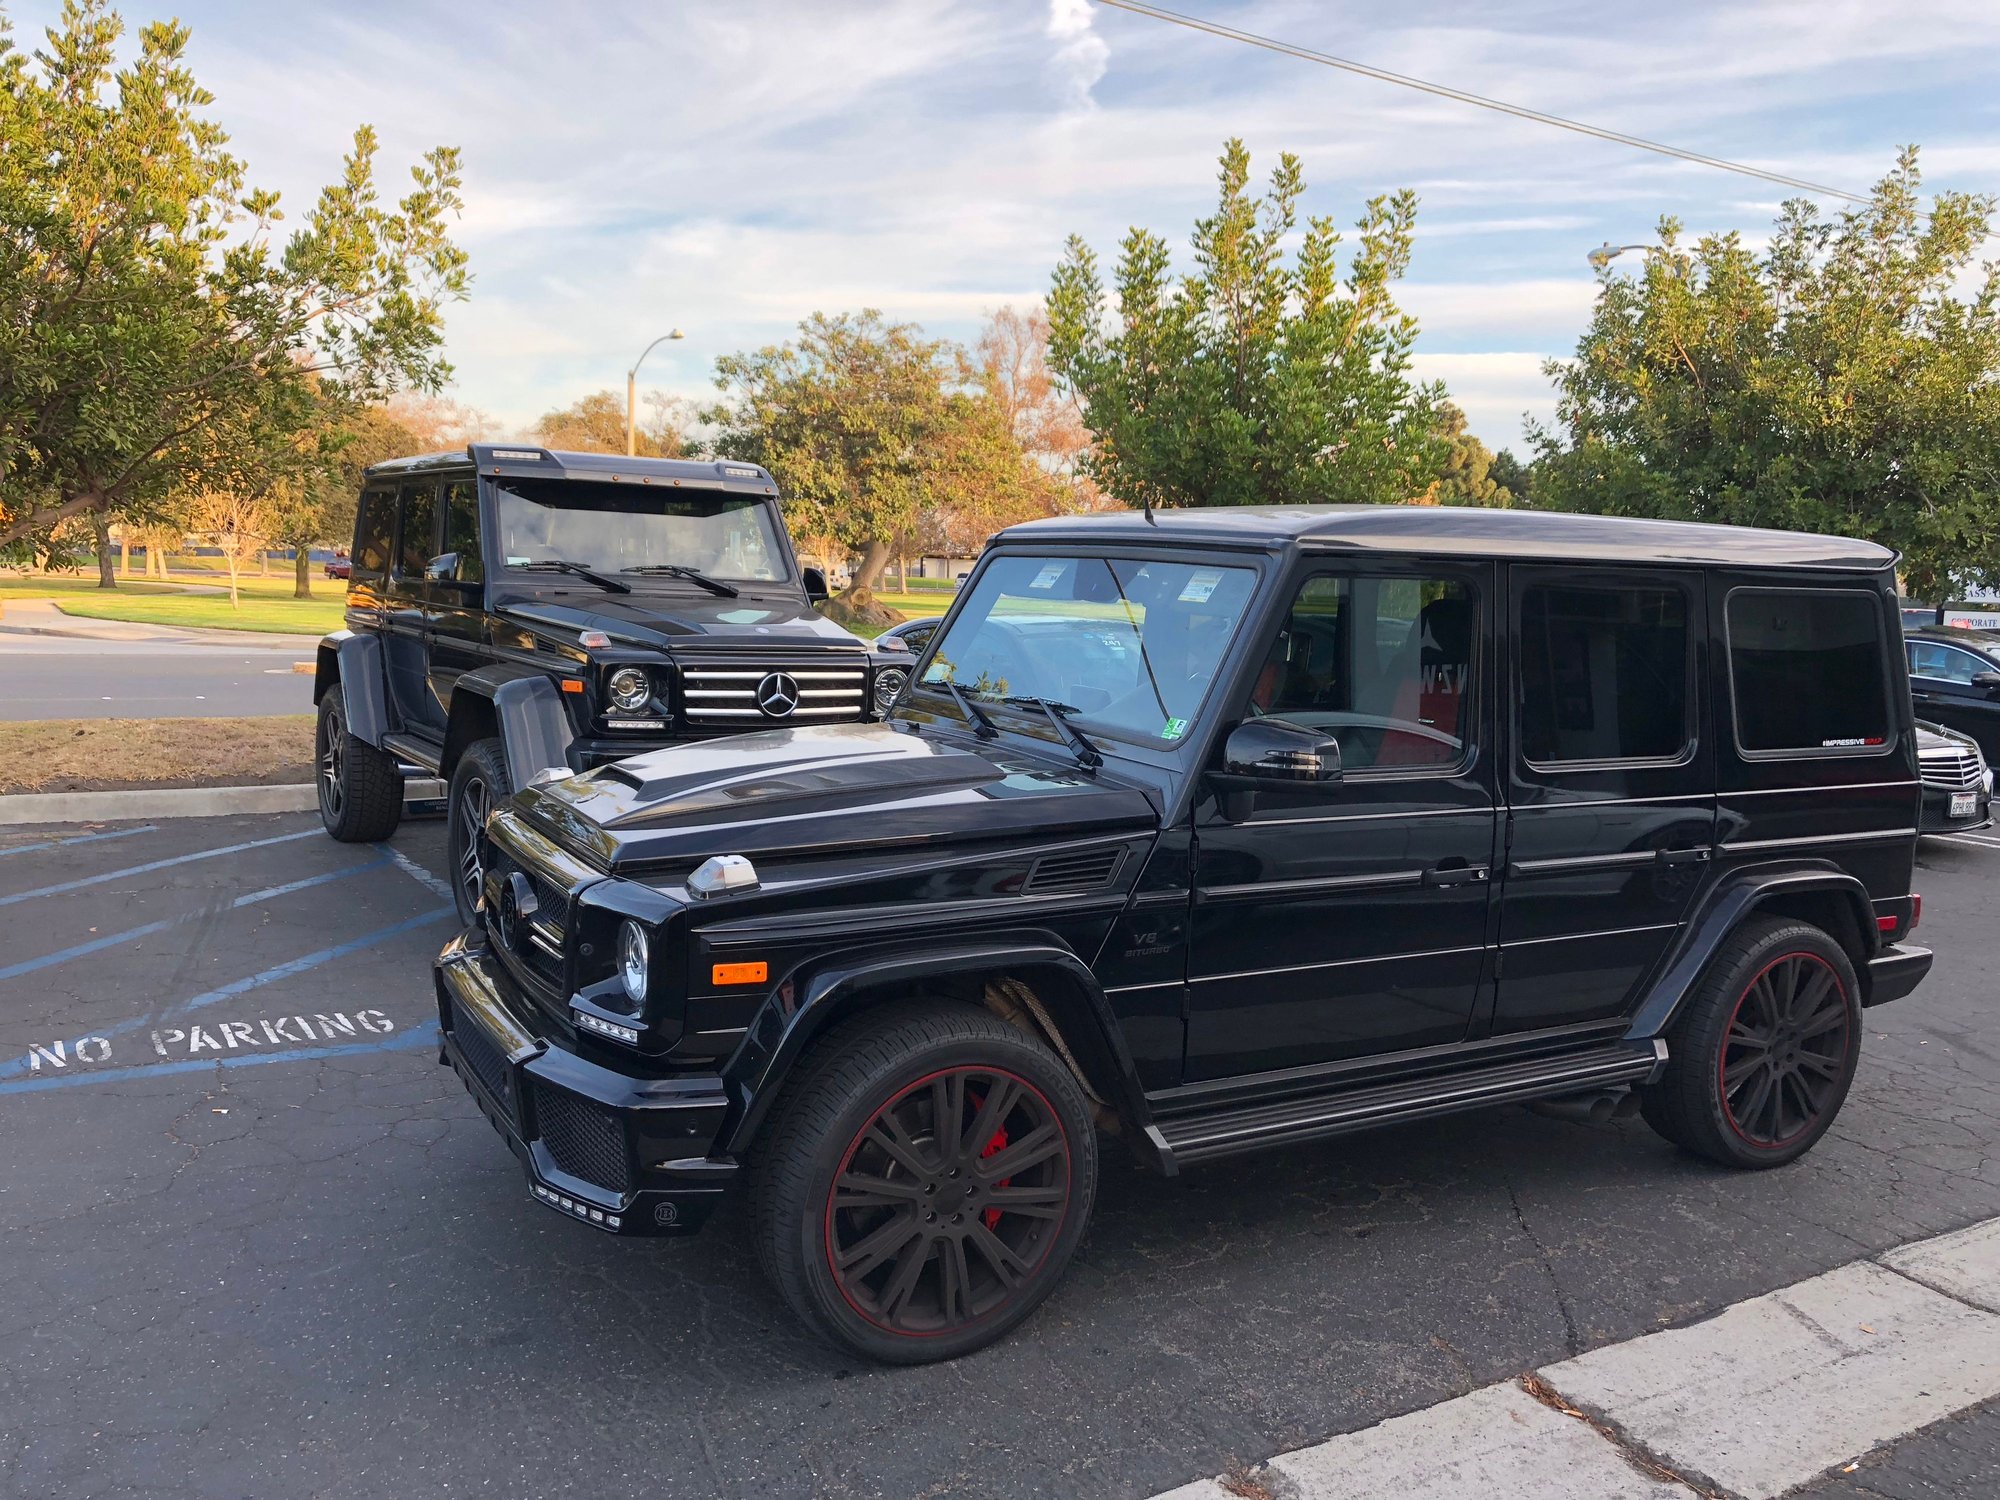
{"x":1085,"y":870}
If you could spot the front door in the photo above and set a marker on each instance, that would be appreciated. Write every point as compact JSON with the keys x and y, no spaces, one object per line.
{"x":1334,"y":923}
{"x":458,"y":616}
{"x":406,"y":634}
{"x":1611,"y":795}
{"x":1945,"y":687}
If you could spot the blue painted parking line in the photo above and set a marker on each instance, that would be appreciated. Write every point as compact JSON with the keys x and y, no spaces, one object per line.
{"x":286,"y":970}
{"x":158,"y":864}
{"x":133,"y":934}
{"x":81,"y":838}
{"x":425,"y":1035}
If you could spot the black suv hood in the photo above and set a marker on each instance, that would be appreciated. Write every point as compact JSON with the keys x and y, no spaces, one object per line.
{"x":650,"y":619}
{"x":837,"y":788}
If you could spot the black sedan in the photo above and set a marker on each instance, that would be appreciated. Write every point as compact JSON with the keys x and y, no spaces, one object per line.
{"x":1955,"y":680}
{"x":1958,"y":788}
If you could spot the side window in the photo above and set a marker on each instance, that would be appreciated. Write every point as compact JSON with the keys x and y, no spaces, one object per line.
{"x":374,"y":527}
{"x":1945,"y":663}
{"x":416,"y":542}
{"x":1604,"y":673}
{"x":1806,"y":671}
{"x":1383,"y":664}
{"x":461,"y":529}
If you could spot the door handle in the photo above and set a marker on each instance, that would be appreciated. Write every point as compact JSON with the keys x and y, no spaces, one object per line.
{"x":1456,"y":875}
{"x":1682,"y":856}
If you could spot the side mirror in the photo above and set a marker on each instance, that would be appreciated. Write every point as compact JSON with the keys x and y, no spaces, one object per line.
{"x":1273,"y":754}
{"x":1986,"y":681}
{"x":444,"y":568}
{"x":815,"y":585}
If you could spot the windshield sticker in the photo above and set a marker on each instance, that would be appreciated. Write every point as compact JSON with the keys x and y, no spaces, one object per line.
{"x":743,"y":616}
{"x":519,"y":562}
{"x":1174,"y":729}
{"x":1200,"y":588}
{"x":1046,"y":579}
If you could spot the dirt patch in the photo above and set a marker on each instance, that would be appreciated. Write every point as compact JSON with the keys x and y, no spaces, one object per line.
{"x":113,"y":755}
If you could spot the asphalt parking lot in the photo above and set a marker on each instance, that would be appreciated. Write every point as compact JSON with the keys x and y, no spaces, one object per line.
{"x":259,"y":1244}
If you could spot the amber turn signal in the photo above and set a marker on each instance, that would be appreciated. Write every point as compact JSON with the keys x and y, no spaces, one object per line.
{"x":572,"y":684}
{"x":740,"y":973}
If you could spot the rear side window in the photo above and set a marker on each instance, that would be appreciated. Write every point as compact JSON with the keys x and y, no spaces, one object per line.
{"x":1604,"y":674}
{"x":1806,"y":671}
{"x":373,"y":528}
{"x":418,"y":544}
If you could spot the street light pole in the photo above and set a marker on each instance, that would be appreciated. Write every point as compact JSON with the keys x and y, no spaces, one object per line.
{"x":632,"y":392}
{"x":1607,"y":252}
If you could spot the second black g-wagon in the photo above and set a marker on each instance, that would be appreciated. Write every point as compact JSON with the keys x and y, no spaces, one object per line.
{"x":1210,"y":831}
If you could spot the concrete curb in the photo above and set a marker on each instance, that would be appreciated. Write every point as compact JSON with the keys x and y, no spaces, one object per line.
{"x":24,"y":808}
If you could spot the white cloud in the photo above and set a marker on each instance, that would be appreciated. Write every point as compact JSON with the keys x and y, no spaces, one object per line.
{"x":1083,"y":55}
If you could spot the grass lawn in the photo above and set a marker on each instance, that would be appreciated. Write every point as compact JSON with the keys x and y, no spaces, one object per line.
{"x":257,"y":611}
{"x":914,"y":605}
{"x":66,"y":585}
{"x":79,"y":755}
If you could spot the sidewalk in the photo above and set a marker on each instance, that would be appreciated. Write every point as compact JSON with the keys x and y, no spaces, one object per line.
{"x":42,"y":617}
{"x":1766,"y":1396}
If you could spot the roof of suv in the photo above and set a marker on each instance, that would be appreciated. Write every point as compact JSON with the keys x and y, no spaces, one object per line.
{"x":1461,"y":529}
{"x":525,"y":459}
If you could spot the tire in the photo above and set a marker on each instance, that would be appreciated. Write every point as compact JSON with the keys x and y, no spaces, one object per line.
{"x":479,"y":783}
{"x":1762,"y":1058}
{"x":360,"y":787}
{"x":978,"y":1252}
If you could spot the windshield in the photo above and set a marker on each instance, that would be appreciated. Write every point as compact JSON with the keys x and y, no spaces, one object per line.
{"x":611,"y":527}
{"x":1130,"y":645}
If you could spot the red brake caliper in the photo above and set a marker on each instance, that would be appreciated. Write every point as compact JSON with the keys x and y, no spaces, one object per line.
{"x":998,"y":1143}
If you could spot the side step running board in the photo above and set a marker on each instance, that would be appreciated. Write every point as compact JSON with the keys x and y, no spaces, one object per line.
{"x":1186,"y":1139}
{"x":411,"y":750}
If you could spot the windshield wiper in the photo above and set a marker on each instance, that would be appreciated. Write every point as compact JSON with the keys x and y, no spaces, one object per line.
{"x":980,"y":720}
{"x":1087,"y":755}
{"x":564,"y":565}
{"x":675,"y":570}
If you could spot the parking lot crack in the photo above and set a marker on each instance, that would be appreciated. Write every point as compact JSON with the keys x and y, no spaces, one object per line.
{"x":1571,"y":1335}
{"x":1635,"y":1453}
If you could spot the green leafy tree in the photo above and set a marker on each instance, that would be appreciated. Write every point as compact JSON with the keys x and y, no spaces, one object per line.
{"x":865,"y":424}
{"x":1252,"y":380}
{"x":1845,"y":382}
{"x":1513,"y":476}
{"x":1466,"y":477}
{"x":596,"y":424}
{"x":155,"y":337}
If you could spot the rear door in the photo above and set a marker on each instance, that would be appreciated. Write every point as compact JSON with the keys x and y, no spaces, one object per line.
{"x":1610,"y":786}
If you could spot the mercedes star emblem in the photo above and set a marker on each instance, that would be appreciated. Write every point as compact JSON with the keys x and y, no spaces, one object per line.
{"x":777,"y":695}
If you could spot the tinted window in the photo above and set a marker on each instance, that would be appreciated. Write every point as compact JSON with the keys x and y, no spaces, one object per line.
{"x":461,"y":529}
{"x":418,"y":540}
{"x":1807,"y":669}
{"x":624,"y":527}
{"x":373,"y":528}
{"x":1604,"y":673}
{"x":1382,"y":664}
{"x":1945,"y":663}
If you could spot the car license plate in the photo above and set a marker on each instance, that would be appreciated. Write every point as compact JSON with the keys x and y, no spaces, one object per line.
{"x":1964,"y":804}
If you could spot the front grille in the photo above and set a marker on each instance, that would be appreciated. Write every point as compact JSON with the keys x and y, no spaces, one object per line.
{"x":583,"y":1137}
{"x":729,"y":695}
{"x":535,"y":941}
{"x":1084,"y":871}
{"x":1958,"y":769}
{"x":480,"y":1054}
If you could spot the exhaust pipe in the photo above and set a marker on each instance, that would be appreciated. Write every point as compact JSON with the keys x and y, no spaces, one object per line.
{"x":1597,"y":1107}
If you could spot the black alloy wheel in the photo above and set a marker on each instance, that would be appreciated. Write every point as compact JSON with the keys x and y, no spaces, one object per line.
{"x":923,"y":1181}
{"x":947,"y":1200}
{"x":479,"y":783}
{"x":1764,"y":1050}
{"x":360,"y":787}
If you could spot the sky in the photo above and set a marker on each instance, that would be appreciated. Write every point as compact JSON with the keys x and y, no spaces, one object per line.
{"x":729,"y":168}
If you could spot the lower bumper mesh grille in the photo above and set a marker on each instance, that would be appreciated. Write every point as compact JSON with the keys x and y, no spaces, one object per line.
{"x":481,"y":1055}
{"x":584,"y":1137}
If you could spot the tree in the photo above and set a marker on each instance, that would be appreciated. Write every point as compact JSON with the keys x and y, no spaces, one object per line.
{"x":863,"y":424}
{"x":1842,"y":382}
{"x":240,"y":522}
{"x":1467,"y":477}
{"x":1513,"y":476}
{"x":1250,"y":380}
{"x":596,"y":424}
{"x":147,"y":315}
{"x":1010,"y":361}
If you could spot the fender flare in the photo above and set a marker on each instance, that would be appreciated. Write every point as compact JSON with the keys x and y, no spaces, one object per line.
{"x":354,"y":661}
{"x":815,"y":997}
{"x":1726,"y":904}
{"x":519,"y":704}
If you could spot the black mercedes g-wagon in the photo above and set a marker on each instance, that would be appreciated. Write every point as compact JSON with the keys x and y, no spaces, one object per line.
{"x":513,"y":610}
{"x":1222,"y":830}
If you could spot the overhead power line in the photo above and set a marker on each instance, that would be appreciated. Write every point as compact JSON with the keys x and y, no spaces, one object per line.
{"x":1383,"y":75}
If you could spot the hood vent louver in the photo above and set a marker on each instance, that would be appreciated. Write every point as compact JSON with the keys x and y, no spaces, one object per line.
{"x":1086,"y":870}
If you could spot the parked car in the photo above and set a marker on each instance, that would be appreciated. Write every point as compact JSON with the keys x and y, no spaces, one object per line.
{"x":515,"y":611}
{"x":340,"y":565}
{"x":1955,"y":680}
{"x":912,"y":636}
{"x":1210,"y":831}
{"x":1958,"y":787}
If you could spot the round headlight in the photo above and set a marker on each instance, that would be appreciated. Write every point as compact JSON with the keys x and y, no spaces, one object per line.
{"x":632,"y":959}
{"x":889,"y":685}
{"x":630,"y":689}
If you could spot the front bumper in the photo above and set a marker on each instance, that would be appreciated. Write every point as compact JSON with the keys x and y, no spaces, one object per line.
{"x":622,"y":1154}
{"x":1895,"y":971}
{"x":1935,"y":814}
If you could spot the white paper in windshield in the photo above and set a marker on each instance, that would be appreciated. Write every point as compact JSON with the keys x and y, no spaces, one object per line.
{"x":1200,"y":588}
{"x":1046,"y":579}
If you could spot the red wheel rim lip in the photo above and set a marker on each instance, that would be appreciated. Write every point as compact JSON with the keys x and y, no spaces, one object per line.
{"x":1722,"y":1058}
{"x":847,"y":1160}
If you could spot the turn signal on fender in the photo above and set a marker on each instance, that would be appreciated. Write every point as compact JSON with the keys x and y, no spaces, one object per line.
{"x":757,"y":973}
